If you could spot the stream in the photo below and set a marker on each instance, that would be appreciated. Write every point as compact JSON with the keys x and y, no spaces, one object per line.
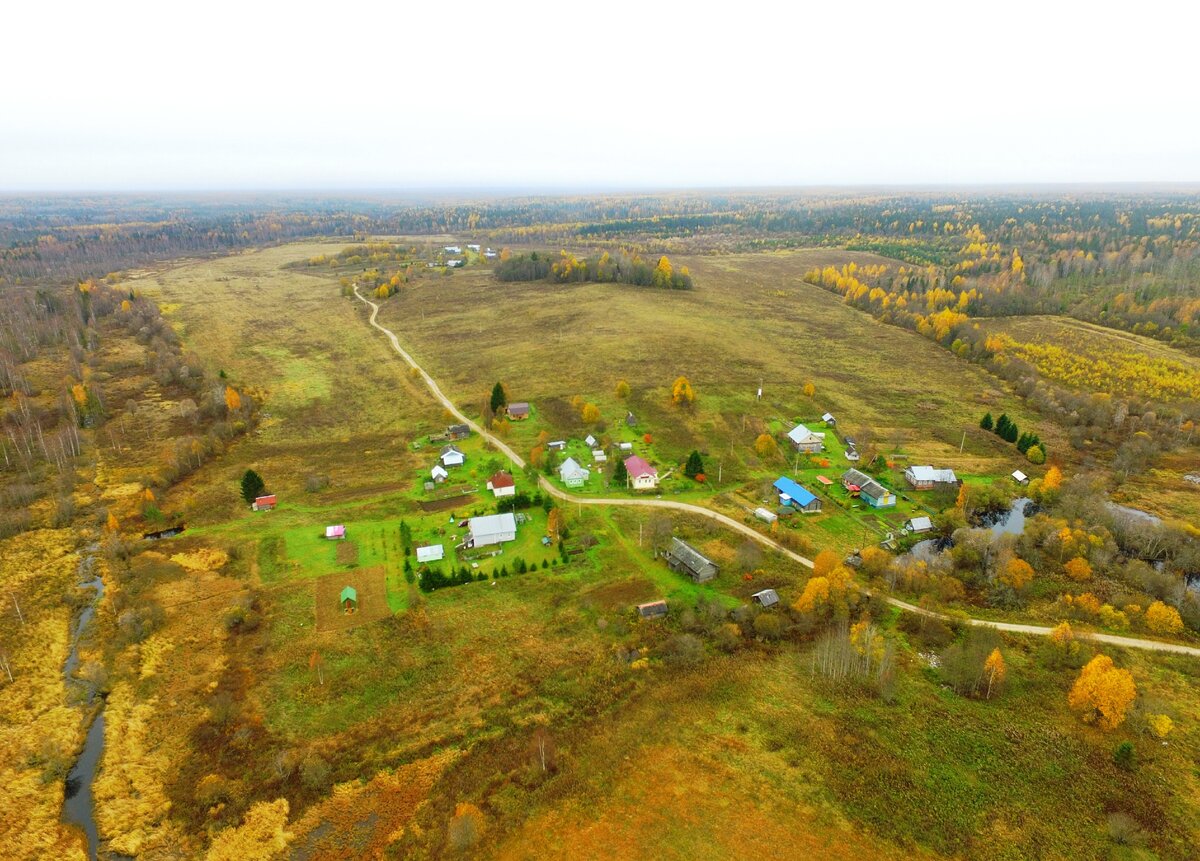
{"x":78,"y":804}
{"x":1011,"y":522}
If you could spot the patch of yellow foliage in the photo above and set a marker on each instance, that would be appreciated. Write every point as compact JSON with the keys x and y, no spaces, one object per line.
{"x":156,"y":647}
{"x":260,"y":837}
{"x":131,"y":798}
{"x":202,"y":559}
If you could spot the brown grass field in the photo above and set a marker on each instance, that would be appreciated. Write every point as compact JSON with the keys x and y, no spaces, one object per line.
{"x":372,"y":599}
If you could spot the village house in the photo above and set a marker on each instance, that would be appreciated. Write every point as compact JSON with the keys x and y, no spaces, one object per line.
{"x":572,"y":474}
{"x":805,"y":440}
{"x":798,"y":497}
{"x":927,"y":478}
{"x":489,"y":254}
{"x":438,"y":474}
{"x":457,"y":432}
{"x":918,"y":525}
{"x":765,"y":598}
{"x":518,"y":412}
{"x":454,"y":263}
{"x":452,"y":249}
{"x":335,"y":533}
{"x":431,"y":553}
{"x":492,"y":529}
{"x":264,"y":503}
{"x":684,"y":558}
{"x":642,"y":476}
{"x":867,"y":489}
{"x":652,"y":609}
{"x":451,"y":456}
{"x":474,"y":248}
{"x":502,"y":484}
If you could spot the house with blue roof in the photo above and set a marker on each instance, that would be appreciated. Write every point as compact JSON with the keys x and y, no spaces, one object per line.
{"x":798,"y":497}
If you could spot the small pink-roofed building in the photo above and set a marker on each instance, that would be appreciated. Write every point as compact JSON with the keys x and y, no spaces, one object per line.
{"x":642,"y":476}
{"x":335,"y":532}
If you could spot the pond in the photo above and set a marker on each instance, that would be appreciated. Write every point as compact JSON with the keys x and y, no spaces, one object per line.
{"x":1011,"y":522}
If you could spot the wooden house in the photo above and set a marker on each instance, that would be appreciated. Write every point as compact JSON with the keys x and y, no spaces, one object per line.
{"x":829,"y":420}
{"x":927,"y":478}
{"x":518,"y":412}
{"x":806,"y":440}
{"x":438,"y":473}
{"x":873,"y":493}
{"x":686,"y":559}
{"x":492,"y":529}
{"x":502,"y":484}
{"x":451,"y":456}
{"x":796,"y":496}
{"x":642,"y":476}
{"x":457,"y":432}
{"x":572,"y":474}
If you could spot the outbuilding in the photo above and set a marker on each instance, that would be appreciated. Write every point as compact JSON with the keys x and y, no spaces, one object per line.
{"x":765,"y":598}
{"x":927,"y":478}
{"x":1020,"y":477}
{"x":349,"y":599}
{"x":519,"y":411}
{"x":451,"y":456}
{"x":652,"y":610}
{"x":335,"y":533}
{"x":766,"y":515}
{"x":264,"y":503}
{"x":599,"y":456}
{"x":492,"y":529}
{"x":557,"y":445}
{"x":829,"y":420}
{"x":918,"y":525}
{"x":686,"y":559}
{"x":438,"y":473}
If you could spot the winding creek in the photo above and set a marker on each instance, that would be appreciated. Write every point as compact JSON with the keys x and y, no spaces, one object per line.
{"x":78,"y":803}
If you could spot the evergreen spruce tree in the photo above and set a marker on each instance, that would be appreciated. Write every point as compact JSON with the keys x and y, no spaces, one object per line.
{"x":694,"y":465}
{"x":252,"y":486}
{"x":499,"y":398}
{"x":620,"y":474}
{"x":986,"y":422}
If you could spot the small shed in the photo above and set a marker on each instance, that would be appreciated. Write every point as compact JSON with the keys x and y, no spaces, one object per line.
{"x":852,"y":454}
{"x":765,"y":515}
{"x":599,"y":456}
{"x":626,"y":446}
{"x":829,"y":420}
{"x":765,"y":598}
{"x":349,"y":599}
{"x":1020,"y":477}
{"x":451,"y":456}
{"x":438,"y":473}
{"x":685,"y":558}
{"x":652,"y":610}
{"x":630,"y":420}
{"x":557,"y":445}
{"x":589,"y":441}
{"x":335,"y":533}
{"x":518,"y":411}
{"x":458,"y":431}
{"x":918,"y":525}
{"x":264,"y":503}
{"x":431,"y":553}
{"x":824,"y":481}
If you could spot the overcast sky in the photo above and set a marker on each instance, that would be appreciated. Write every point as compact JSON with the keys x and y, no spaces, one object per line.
{"x":250,"y":95}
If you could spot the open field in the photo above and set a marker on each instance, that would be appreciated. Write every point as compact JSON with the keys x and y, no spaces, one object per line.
{"x":372,"y":599}
{"x":740,"y":748}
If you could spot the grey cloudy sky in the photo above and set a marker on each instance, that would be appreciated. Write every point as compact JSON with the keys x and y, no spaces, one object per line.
{"x":222,"y":95}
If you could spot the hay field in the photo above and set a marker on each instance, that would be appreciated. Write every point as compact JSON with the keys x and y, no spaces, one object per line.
{"x":372,"y":599}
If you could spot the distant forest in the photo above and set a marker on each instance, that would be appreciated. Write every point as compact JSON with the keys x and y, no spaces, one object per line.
{"x":617,"y":268}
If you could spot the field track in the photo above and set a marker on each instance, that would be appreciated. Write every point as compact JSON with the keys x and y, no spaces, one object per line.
{"x":754,"y":534}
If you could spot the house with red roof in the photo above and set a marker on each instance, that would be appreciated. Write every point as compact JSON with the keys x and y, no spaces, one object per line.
{"x":502,"y":484}
{"x":642,"y":476}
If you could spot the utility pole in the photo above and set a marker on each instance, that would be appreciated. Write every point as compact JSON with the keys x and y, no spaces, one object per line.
{"x":18,"y":606}
{"x":963,"y":443}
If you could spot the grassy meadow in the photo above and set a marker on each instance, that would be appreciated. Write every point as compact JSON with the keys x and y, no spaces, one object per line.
{"x":463,"y":693}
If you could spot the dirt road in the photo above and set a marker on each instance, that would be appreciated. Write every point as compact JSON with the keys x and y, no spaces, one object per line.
{"x":748,"y":531}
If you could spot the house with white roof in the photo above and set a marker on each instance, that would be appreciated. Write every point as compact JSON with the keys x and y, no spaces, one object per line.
{"x":492,"y":529}
{"x":806,"y":440}
{"x":572,"y":474}
{"x":431,"y":553}
{"x":438,"y":473}
{"x":918,"y":525}
{"x":927,"y":478}
{"x":451,"y":456}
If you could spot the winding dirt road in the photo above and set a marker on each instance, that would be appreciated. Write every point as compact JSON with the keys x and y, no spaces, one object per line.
{"x":724,"y":520}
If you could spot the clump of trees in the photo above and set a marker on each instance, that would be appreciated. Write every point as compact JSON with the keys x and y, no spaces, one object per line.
{"x":619,"y":268}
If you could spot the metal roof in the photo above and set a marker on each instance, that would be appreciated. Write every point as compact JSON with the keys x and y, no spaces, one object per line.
{"x":799,"y":495}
